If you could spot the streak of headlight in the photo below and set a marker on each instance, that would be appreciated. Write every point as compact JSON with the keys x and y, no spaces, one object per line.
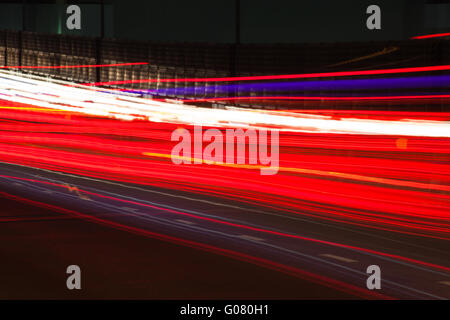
{"x":90,"y":102}
{"x":436,"y":81}
{"x":323,"y":98}
{"x":286,"y":76}
{"x":77,"y":66}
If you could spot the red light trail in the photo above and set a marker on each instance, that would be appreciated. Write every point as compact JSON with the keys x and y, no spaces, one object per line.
{"x":384,"y":185}
{"x":429,"y":36}
{"x":319,"y":98}
{"x":285,"y":77}
{"x":377,"y":170}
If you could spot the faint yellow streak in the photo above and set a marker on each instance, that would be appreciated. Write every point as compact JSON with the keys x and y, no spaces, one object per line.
{"x":376,"y":54}
{"x":77,"y":191}
{"x":343,"y":175}
{"x":32,"y":109}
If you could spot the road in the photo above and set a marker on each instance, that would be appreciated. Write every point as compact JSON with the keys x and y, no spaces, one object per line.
{"x":38,"y":245}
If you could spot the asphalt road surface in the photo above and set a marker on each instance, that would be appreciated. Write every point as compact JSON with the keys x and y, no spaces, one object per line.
{"x":122,"y":254}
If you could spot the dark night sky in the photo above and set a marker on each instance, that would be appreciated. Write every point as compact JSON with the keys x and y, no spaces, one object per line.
{"x":262,"y":21}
